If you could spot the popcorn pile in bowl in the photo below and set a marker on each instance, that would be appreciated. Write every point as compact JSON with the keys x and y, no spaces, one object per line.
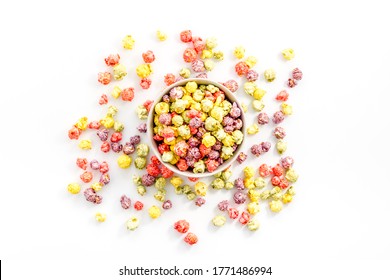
{"x":196,"y":128}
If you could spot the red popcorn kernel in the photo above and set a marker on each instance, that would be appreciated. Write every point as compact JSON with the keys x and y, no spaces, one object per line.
{"x":284,"y":183}
{"x":148,"y":104}
{"x":282,"y":96}
{"x":86,"y":177}
{"x":153,"y":170}
{"x":244,"y":218}
{"x":103,"y":99}
{"x":116,"y":137}
{"x":191,"y":238}
{"x":265,"y":170}
{"x":163,"y":148}
{"x":169,"y":79}
{"x":82,"y":163}
{"x":193,"y":179}
{"x":145,"y":83}
{"x":189,"y":55}
{"x":241,"y":68}
{"x":211,"y":165}
{"x":94,"y":125}
{"x":193,"y":130}
{"x":204,"y":150}
{"x":154,"y":160}
{"x":181,"y":226}
{"x":165,"y":172}
{"x":148,"y":57}
{"x":186,"y":36}
{"x":138,"y":205}
{"x":199,"y":44}
{"x":182,"y":164}
{"x":128,"y":94}
{"x":105,"y":147}
{"x":277,"y":170}
{"x":275,"y":181}
{"x":74,"y":133}
{"x":112,"y":59}
{"x":233,"y":213}
{"x":104,"y":78}
{"x":104,"y":168}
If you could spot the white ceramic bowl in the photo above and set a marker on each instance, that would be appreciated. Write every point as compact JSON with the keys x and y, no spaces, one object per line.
{"x":228,"y":95}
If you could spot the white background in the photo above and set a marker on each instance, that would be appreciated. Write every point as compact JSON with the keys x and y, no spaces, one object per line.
{"x":338,"y":135}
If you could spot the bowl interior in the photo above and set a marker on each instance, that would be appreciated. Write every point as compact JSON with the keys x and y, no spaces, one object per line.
{"x":228,"y":94}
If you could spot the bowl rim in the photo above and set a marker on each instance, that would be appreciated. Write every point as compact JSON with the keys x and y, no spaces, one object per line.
{"x":150,"y":131}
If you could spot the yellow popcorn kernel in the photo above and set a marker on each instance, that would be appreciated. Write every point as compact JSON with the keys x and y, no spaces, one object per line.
{"x":253,"y":225}
{"x":154,"y":212}
{"x":74,"y":188}
{"x":128,"y":42}
{"x":269,"y":75}
{"x":228,"y":141}
{"x":116,"y":92}
{"x":275,"y":206}
{"x":249,"y":183}
{"x":196,"y":106}
{"x":291,"y":175}
{"x":211,"y":43}
{"x":100,"y":217}
{"x":201,"y":188}
{"x":265,"y":194}
{"x":206,"y":54}
{"x":191,"y":87}
{"x":286,"y":109}
{"x":176,"y":181}
{"x":217,"y":113}
{"x":219,"y":220}
{"x":250,"y":87}
{"x":107,"y":122}
{"x":118,"y":126}
{"x":119,"y":72}
{"x":132,"y":223}
{"x":251,"y":61}
{"x":218,"y":55}
{"x":253,"y":129}
{"x":249,"y":172}
{"x":253,"y":207}
{"x":209,"y":64}
{"x":144,"y":70}
{"x":287,"y":198}
{"x":288,"y":54}
{"x":239,"y":52}
{"x":161,"y":108}
{"x":82,"y":123}
{"x":124,"y":161}
{"x":254,"y":195}
{"x":258,"y":105}
{"x":85,"y":144}
{"x":208,"y":140}
{"x":185,"y":73}
{"x":161,"y":36}
{"x":259,"y":93}
{"x":198,"y":95}
{"x":281,"y":146}
{"x":112,"y":110}
{"x":97,"y":186}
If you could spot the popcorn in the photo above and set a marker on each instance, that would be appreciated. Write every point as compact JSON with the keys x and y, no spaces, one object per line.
{"x":161,"y":36}
{"x":288,"y":54}
{"x":219,"y":221}
{"x":269,"y":75}
{"x":239,"y":52}
{"x":144,"y":70}
{"x":128,"y":42}
{"x":154,"y":212}
{"x":119,"y":72}
{"x":74,"y":188}
{"x":124,"y":161}
{"x":132,"y":224}
{"x":100,"y":217}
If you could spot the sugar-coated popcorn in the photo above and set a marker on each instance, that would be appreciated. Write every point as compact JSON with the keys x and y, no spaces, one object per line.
{"x":132,"y":223}
{"x":128,"y":42}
